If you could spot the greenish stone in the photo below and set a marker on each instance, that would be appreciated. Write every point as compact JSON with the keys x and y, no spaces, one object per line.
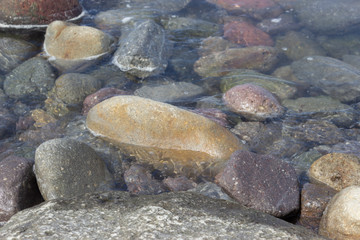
{"x":281,"y":88}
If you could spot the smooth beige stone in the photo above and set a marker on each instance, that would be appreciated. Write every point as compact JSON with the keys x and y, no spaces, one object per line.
{"x":64,"y":40}
{"x":171,"y":139}
{"x":336,"y":170}
{"x":341,"y":218}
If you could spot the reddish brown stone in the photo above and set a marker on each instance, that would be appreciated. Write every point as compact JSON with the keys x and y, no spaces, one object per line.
{"x":261,"y":182}
{"x":179,"y":184}
{"x":255,"y":8}
{"x":314,"y":199}
{"x":18,"y":188}
{"x":100,"y":96}
{"x":246,"y":34}
{"x":37,"y":12}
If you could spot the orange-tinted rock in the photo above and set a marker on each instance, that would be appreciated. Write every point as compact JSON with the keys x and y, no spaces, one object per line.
{"x":260,"y":58}
{"x":255,"y":8}
{"x":336,"y":170}
{"x":246,"y":34}
{"x":169,"y":138}
{"x":37,"y":12}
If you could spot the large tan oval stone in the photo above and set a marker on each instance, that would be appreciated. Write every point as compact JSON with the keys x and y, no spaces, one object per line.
{"x":337,"y":170}
{"x":171,"y":139}
{"x":64,"y":40}
{"x":341,"y":218}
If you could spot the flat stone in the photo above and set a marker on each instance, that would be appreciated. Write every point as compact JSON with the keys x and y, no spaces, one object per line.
{"x":18,"y":189}
{"x":111,"y":215}
{"x":314,"y":199}
{"x":259,"y":58}
{"x":336,"y":170}
{"x":65,"y":168}
{"x":261,"y":182}
{"x":253,"y":102}
{"x":341,"y":217}
{"x":169,"y":138}
{"x":144,"y":51}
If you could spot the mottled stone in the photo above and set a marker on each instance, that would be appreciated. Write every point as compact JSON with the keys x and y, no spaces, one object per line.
{"x":281,"y":88}
{"x":261,"y":58}
{"x":41,"y":118}
{"x":341,"y":217}
{"x":246,"y":34}
{"x":258,"y":9}
{"x":172,"y":92}
{"x":166,"y":216}
{"x":7,"y":122}
{"x":18,"y":189}
{"x":67,"y":41}
{"x":296,"y":45}
{"x":13,"y":52}
{"x":336,"y":170}
{"x":328,"y":16}
{"x":139,"y":181}
{"x":336,"y":78}
{"x":20,"y":14}
{"x":170,"y":138}
{"x":214,"y":44}
{"x":338,"y":46}
{"x":314,"y":199}
{"x":179,"y":184}
{"x":144,"y":51}
{"x":30,"y":80}
{"x":65,"y":168}
{"x":261,"y":182}
{"x":99,"y":96}
{"x":253,"y":102}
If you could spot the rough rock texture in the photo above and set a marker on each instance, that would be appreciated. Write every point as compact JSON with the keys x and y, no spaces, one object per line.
{"x":341,"y":217}
{"x":179,"y":184}
{"x":139,"y":181}
{"x":329,"y":16}
{"x":246,"y":34}
{"x":144,"y":51}
{"x":336,"y":170}
{"x":171,"y":92}
{"x":31,"y":80}
{"x":314,"y":199}
{"x":65,"y":168}
{"x":336,"y":78}
{"x":261,"y":182}
{"x":37,"y":12}
{"x":259,"y":58}
{"x":18,"y":189}
{"x":253,"y":102}
{"x":182,"y":215}
{"x":13,"y":52}
{"x":281,"y":88}
{"x":170,"y":138}
{"x":67,"y":41}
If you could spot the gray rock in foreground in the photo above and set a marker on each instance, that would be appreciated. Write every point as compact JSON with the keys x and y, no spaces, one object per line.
{"x":116,"y":215}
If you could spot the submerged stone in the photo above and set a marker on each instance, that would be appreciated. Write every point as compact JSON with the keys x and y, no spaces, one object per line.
{"x":169,"y":138}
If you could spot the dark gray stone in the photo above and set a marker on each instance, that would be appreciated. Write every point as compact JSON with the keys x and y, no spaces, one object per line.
{"x":329,"y":16}
{"x":336,"y":78}
{"x":114,"y":215}
{"x":13,"y":52}
{"x":18,"y":189}
{"x":261,"y":182}
{"x":30,"y":80}
{"x":144,"y":51}
{"x":65,"y":168}
{"x":171,"y":92}
{"x":283,"y":23}
{"x":7,"y":122}
{"x":139,"y":181}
